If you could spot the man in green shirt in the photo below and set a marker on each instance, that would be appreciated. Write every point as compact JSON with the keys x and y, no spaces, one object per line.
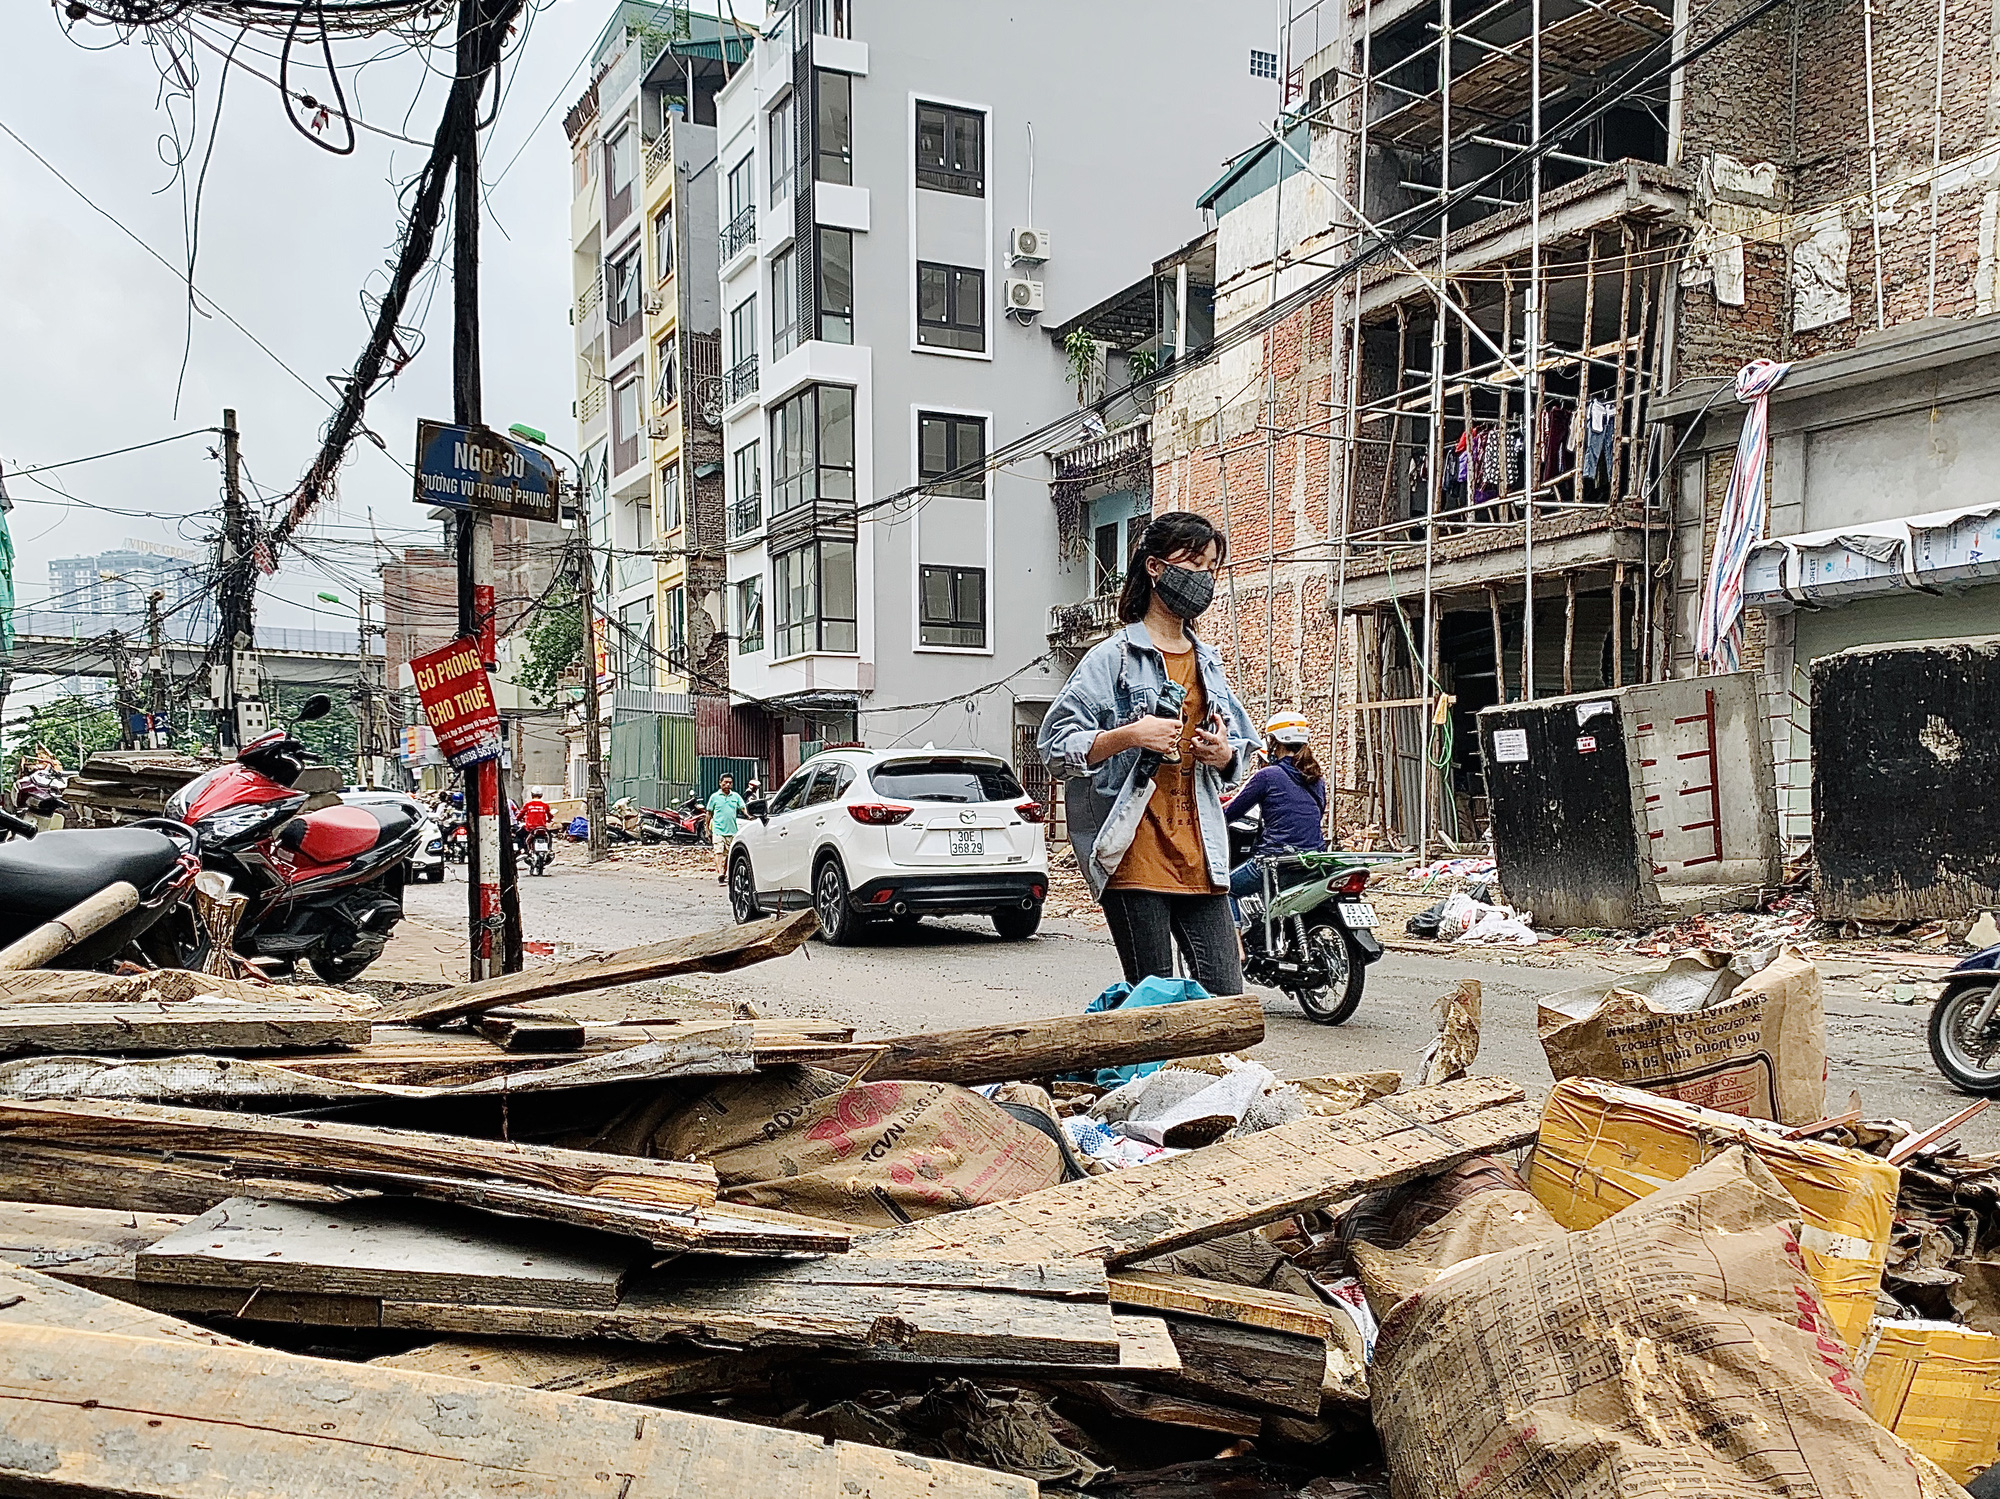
{"x":723,"y":809}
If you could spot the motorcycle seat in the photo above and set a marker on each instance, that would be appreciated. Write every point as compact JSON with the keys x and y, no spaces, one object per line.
{"x":43,"y":877}
{"x":395,"y":819}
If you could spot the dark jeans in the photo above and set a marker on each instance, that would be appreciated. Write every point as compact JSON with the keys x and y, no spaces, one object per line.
{"x":1145,"y":925}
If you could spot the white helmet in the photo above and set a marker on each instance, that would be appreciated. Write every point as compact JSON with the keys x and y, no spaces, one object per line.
{"x":1288,"y":727}
{"x":534,"y":793}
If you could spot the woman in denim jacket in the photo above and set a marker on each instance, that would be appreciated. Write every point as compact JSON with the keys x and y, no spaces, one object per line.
{"x":1156,"y":851}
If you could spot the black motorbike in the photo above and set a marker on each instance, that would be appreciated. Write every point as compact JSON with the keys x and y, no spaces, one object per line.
{"x":1965,"y":1024}
{"x":538,"y":848}
{"x":43,"y":874}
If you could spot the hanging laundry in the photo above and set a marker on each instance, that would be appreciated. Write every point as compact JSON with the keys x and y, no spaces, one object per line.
{"x":1517,"y":457}
{"x":1554,"y":442}
{"x":1600,"y":440}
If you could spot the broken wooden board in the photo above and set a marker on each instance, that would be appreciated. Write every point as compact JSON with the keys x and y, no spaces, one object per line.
{"x":39,"y":1300}
{"x":89,"y":1412}
{"x":162,"y":986}
{"x":1166,"y":1407}
{"x":1346,"y":1372}
{"x":521,"y":1030}
{"x":1233,"y":1185}
{"x":413,"y":1251}
{"x":1249,"y":1365}
{"x":722,"y":951}
{"x":129,"y":1027}
{"x":602,"y":1370}
{"x":1071,"y":1043}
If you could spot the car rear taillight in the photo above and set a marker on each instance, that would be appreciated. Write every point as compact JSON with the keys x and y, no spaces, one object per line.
{"x":1031,"y":811}
{"x":878,"y":814}
{"x":1355,"y":883}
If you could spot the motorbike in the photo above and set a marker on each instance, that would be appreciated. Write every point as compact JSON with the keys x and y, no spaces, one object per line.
{"x":324,"y":876}
{"x":538,"y":847}
{"x":1308,"y":933}
{"x":687,"y":823}
{"x":1965,"y":1024}
{"x":625,"y":823}
{"x":457,"y":840}
{"x":44,"y":873}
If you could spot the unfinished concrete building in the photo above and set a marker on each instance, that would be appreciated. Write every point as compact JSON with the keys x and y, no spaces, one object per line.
{"x":1468,"y":414}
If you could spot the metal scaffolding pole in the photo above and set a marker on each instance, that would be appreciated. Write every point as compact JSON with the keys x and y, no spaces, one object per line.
{"x":1534,"y":376}
{"x":1436,"y":497}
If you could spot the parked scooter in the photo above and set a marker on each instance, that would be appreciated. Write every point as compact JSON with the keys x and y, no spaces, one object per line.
{"x":626,"y":823}
{"x":43,"y":874}
{"x":687,"y":823}
{"x":1308,"y":933}
{"x":1965,"y":1024}
{"x":324,"y":877}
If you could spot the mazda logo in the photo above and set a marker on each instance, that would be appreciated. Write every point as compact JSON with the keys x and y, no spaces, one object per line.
{"x":968,"y":816}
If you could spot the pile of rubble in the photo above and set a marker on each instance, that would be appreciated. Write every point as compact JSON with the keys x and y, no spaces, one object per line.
{"x":266,"y":1239}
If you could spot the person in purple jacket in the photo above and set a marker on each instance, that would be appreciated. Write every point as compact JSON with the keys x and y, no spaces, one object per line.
{"x":1290,"y":791}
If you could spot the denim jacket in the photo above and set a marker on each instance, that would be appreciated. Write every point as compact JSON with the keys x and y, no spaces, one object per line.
{"x":1117,"y":683}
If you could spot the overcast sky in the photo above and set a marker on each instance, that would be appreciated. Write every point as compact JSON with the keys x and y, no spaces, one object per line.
{"x":91,"y":326}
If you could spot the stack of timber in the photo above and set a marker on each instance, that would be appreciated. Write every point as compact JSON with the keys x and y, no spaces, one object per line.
{"x":119,"y":786}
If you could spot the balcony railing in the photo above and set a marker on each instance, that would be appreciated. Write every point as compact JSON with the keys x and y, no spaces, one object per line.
{"x":1084,"y":623}
{"x":1131,"y":444}
{"x":658,"y":154}
{"x":740,"y":234}
{"x":746,"y":515}
{"x":588,"y":298}
{"x":741,"y":382}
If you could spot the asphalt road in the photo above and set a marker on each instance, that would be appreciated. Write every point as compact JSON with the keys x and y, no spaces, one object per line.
{"x":957,"y":972}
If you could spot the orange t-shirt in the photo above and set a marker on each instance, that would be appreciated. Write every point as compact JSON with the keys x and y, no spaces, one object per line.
{"x":1167,"y":853}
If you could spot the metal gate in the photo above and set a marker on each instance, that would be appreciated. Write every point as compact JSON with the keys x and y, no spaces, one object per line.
{"x":651,"y":757}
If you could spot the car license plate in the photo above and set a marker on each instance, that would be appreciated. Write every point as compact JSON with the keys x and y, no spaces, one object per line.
{"x":968,"y":843}
{"x":1358,"y":913}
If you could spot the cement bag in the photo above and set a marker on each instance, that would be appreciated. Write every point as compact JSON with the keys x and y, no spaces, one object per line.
{"x":1706,"y":1030}
{"x":1676,"y":1349}
{"x":875,"y":1154}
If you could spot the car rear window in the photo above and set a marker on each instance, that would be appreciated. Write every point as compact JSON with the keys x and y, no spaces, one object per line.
{"x":947,"y":781}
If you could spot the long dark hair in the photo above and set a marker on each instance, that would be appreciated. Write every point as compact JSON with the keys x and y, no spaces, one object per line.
{"x":1178,"y":533}
{"x":1300,"y":755}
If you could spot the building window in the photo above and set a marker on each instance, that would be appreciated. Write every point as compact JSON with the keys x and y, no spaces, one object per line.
{"x":624,"y":279}
{"x":749,"y":616}
{"x":742,"y":381}
{"x":746,"y":508}
{"x":642,"y":525}
{"x":663,"y":243}
{"x":667,"y":382}
{"x":670,"y":498}
{"x":830,"y":17}
{"x":635,"y":645}
{"x":836,"y":127}
{"x":951,"y":150}
{"x":624,"y":154}
{"x":579,"y":176}
{"x":784,"y":304}
{"x":812,"y":448}
{"x":951,"y":606}
{"x":1109,"y":558}
{"x":625,"y":425}
{"x":740,"y":232}
{"x":812,"y":591}
{"x":674,"y":624}
{"x":836,"y":286}
{"x":784,"y":151}
{"x":1263,"y":64}
{"x":951,"y":306}
{"x":954,"y":446}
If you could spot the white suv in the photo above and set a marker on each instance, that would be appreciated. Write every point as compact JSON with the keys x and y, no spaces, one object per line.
{"x":894,"y":835}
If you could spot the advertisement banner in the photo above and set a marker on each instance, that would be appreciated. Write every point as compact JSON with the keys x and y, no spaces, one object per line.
{"x":458,"y":701}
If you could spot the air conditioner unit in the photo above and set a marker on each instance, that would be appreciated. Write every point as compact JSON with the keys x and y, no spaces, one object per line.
{"x":1030,"y":244}
{"x":1023,"y":296}
{"x":655,"y":305}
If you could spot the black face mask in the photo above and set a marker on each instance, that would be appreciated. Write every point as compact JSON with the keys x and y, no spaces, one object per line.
{"x":1184,"y":590}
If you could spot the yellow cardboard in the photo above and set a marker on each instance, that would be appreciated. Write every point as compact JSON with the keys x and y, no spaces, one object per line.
{"x":1603,"y":1146}
{"x":1937,"y":1386}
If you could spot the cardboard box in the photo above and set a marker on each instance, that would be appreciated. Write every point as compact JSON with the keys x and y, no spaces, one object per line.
{"x":1937,"y":1386}
{"x":1603,"y":1146}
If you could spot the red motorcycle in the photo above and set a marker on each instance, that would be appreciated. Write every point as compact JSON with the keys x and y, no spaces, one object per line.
{"x":324,"y":877}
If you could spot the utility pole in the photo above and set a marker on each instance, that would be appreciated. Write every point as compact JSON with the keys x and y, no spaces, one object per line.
{"x":493,"y":908}
{"x":121,"y":697}
{"x":364,"y":739}
{"x":233,"y":628}
{"x":593,"y":726}
{"x":156,"y":671}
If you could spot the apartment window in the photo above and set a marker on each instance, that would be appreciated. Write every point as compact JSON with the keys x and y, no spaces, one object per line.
{"x":674,"y":625}
{"x":784,"y":304}
{"x":836,"y":128}
{"x":746,"y":507}
{"x":812,"y":448}
{"x":812,"y":591}
{"x":635,"y":645}
{"x":951,"y":306}
{"x":625,"y":425}
{"x":741,"y":196}
{"x":954,"y":445}
{"x":625,"y":293}
{"x":836,"y":286}
{"x":667,"y":380}
{"x":830,"y":17}
{"x":1263,"y":64}
{"x":951,"y":606}
{"x":663,"y":243}
{"x":951,"y":150}
{"x":624,"y":154}
{"x":740,"y":232}
{"x":579,"y":172}
{"x":642,"y":525}
{"x":749,"y":616}
{"x":784,"y":151}
{"x":670,"y":498}
{"x":743,"y":330}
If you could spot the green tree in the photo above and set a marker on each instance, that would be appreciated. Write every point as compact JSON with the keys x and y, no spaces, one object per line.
{"x":334,"y":740}
{"x":555,"y":644}
{"x":72,"y":728}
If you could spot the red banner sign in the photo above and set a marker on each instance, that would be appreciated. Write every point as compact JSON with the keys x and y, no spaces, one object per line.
{"x":458,"y":700}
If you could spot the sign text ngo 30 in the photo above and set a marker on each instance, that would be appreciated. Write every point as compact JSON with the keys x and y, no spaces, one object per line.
{"x":458,"y":700}
{"x":471,"y":468}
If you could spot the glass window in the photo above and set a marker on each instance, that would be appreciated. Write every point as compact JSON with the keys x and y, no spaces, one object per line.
{"x":812,"y":448}
{"x":813,"y":594}
{"x":675,"y":627}
{"x":784,"y":304}
{"x":579,"y":172}
{"x":624,"y":279}
{"x":784,"y":151}
{"x":624,"y":155}
{"x":749,"y":616}
{"x":836,"y":286}
{"x":741,"y":195}
{"x":836,"y":127}
{"x":946,"y":780}
{"x":642,"y":525}
{"x":670,"y":498}
{"x":827,"y":784}
{"x":749,"y":478}
{"x":951,"y":150}
{"x":837,"y":623}
{"x":663,"y":243}
{"x":625,"y":412}
{"x":667,"y":380}
{"x":743,"y":330}
{"x":635,"y":645}
{"x":954,"y":445}
{"x":795,"y":790}
{"x":951,"y":606}
{"x":1263,"y":64}
{"x":951,"y":306}
{"x":1110,"y":560}
{"x":793,"y":576}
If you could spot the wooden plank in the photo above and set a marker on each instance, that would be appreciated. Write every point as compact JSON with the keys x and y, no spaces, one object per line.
{"x":162,"y":986}
{"x":1249,"y":1365}
{"x":89,"y":1413}
{"x":1233,"y":1185}
{"x":130,"y":1027}
{"x":1072,"y":1043}
{"x":34,"y":1299}
{"x":413,"y":1251}
{"x":1249,"y":1306}
{"x":1165,"y":1407}
{"x":519,"y":1031}
{"x":602,"y":1370}
{"x":705,"y":952}
{"x":322,"y":1150}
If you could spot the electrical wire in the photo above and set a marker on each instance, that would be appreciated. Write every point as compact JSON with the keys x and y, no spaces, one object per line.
{"x":137,"y":447}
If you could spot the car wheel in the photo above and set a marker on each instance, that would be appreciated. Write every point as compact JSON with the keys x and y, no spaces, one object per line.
{"x":1015,"y":924}
{"x":743,"y":889}
{"x":838,"y":922}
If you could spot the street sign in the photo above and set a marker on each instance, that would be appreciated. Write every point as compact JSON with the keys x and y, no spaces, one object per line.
{"x":473,"y":468}
{"x":458,"y":701}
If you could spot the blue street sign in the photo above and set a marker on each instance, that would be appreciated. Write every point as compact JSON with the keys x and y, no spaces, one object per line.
{"x":473,"y":468}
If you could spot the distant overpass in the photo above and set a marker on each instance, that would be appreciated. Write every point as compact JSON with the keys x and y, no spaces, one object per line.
{"x":60,"y":643}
